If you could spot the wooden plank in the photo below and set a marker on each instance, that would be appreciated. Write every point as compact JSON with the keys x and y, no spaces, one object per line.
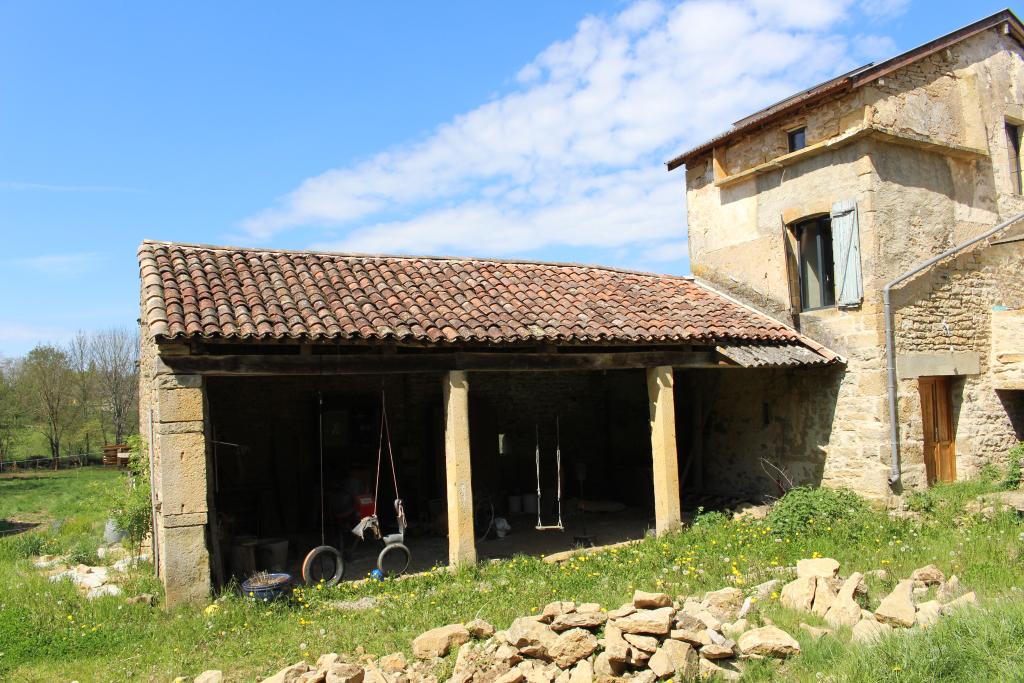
{"x":441,"y":362}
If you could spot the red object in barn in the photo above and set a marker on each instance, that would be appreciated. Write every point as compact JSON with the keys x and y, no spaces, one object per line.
{"x":364,"y":505}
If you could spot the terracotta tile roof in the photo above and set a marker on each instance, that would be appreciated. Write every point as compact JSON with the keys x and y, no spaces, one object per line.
{"x":252,"y":294}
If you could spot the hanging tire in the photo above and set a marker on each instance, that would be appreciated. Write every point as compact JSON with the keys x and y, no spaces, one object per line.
{"x":323,"y":563}
{"x":394,"y":559}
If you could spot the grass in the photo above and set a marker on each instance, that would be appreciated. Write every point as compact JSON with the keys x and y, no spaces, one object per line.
{"x":48,"y":632}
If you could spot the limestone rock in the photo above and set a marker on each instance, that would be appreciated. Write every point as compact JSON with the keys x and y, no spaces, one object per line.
{"x":289,"y":674}
{"x":689,"y":622}
{"x":326,"y":661}
{"x":869,"y":631}
{"x":436,"y":642}
{"x":716,"y":652}
{"x":683,"y":658}
{"x":553,"y":609}
{"x":845,"y":611}
{"x":696,"y":637}
{"x":645,"y":676}
{"x":965,"y":600}
{"x":736,"y":628}
{"x":588,"y":607}
{"x":623,"y":611}
{"x":897,"y":608}
{"x":313,"y":676}
{"x":709,"y":620}
{"x":210,"y":676}
{"x":825,"y":567}
{"x":725,"y":602}
{"x":643,"y":643}
{"x":815,"y":631}
{"x":565,"y":622}
{"x":583,"y":672}
{"x":824,"y":597}
{"x":950,"y":589}
{"x":572,"y":646}
{"x":605,"y":667}
{"x":515,"y":675}
{"x":649,"y":621}
{"x":929,"y":575}
{"x":768,"y":641}
{"x":645,"y":600}
{"x":798,"y":594}
{"x":478,"y":628}
{"x":721,"y":670}
{"x":393,"y":663}
{"x":928,"y":613}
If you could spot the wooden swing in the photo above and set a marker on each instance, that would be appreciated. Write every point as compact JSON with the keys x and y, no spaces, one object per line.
{"x":558,"y":477}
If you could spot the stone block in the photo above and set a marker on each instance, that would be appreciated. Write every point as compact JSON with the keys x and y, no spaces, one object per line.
{"x":180,"y":405}
{"x":185,"y":564}
{"x":181,"y":460}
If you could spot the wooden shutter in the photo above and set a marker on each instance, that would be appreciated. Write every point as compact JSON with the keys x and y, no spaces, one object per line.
{"x":846,"y":253}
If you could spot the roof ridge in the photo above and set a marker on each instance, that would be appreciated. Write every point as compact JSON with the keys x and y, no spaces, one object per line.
{"x":411,"y":257}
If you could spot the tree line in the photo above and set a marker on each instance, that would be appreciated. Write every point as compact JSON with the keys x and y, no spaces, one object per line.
{"x":79,"y":396}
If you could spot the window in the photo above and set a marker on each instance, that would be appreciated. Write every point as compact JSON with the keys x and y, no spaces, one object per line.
{"x":1013,"y":147}
{"x":797,"y":139}
{"x":817,"y":269}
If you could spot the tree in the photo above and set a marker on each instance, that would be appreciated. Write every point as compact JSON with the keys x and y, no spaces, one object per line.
{"x":46,"y":384}
{"x":11,"y":417}
{"x":114,"y":356}
{"x":80,"y":356}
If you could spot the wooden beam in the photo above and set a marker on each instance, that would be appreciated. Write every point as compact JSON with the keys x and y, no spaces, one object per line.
{"x":348,"y":364}
{"x":664,"y":453}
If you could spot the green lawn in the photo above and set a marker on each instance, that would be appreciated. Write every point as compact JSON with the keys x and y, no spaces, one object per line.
{"x":48,"y":632}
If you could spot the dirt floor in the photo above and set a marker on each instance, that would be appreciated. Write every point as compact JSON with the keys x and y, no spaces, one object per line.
{"x":429,"y":551}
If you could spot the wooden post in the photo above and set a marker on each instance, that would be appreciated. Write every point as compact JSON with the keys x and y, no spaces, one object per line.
{"x":458,"y":472}
{"x":660,"y":388}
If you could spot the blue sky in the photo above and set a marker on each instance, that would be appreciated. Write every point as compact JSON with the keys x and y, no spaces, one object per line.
{"x":520,"y":129}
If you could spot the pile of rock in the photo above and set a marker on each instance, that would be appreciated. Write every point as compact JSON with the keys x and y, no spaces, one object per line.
{"x":818,"y":589}
{"x":649,"y":639}
{"x":93,"y":581}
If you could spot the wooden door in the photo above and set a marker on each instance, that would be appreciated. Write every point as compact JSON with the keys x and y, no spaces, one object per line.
{"x":937,"y":421}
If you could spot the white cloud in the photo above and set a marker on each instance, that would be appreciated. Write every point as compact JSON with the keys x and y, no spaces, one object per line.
{"x":884,"y":9}
{"x":572,"y":155}
{"x":60,"y":264}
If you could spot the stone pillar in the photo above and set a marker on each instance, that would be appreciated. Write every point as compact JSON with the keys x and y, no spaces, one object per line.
{"x":458,"y":472}
{"x":661,"y":399}
{"x":180,"y":486}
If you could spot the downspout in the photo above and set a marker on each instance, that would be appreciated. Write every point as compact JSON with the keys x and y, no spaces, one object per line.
{"x":890,"y":338}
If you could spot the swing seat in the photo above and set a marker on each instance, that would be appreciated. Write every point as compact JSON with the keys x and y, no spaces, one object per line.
{"x":549,"y":527}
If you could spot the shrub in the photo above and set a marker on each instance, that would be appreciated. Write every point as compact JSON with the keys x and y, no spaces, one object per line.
{"x":1013,"y":473}
{"x":805,"y":506}
{"x":132,"y":509}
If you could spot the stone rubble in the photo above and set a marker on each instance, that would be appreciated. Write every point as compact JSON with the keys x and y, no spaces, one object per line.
{"x":650,"y":639}
{"x":92,"y":581}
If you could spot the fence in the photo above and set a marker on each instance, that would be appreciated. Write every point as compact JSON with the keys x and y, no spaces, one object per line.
{"x":46,"y":462}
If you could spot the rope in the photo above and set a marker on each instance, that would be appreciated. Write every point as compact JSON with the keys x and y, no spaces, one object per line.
{"x":320,"y":417}
{"x":385,"y":431}
{"x":537,"y":430}
{"x":558,"y":477}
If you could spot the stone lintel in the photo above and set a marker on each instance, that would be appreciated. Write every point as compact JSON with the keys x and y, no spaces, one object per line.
{"x":937,"y":364}
{"x":187,"y":519}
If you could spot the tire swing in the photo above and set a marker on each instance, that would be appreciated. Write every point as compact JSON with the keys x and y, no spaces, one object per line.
{"x":324,"y":563}
{"x":394,"y":559}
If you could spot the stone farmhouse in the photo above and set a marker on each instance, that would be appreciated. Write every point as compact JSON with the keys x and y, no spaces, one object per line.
{"x":599,"y":401}
{"x":809,"y":208}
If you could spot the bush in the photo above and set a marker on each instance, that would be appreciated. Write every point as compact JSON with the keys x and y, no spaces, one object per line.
{"x":1013,"y":473}
{"x":132,"y":506}
{"x":804,"y":507}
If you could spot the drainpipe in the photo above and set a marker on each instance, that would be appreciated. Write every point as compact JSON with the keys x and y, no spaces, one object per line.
{"x":890,"y":338}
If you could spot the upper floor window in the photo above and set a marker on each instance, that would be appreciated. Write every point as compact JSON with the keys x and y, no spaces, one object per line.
{"x":797,"y":139}
{"x":817,"y":265}
{"x":1013,"y":144}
